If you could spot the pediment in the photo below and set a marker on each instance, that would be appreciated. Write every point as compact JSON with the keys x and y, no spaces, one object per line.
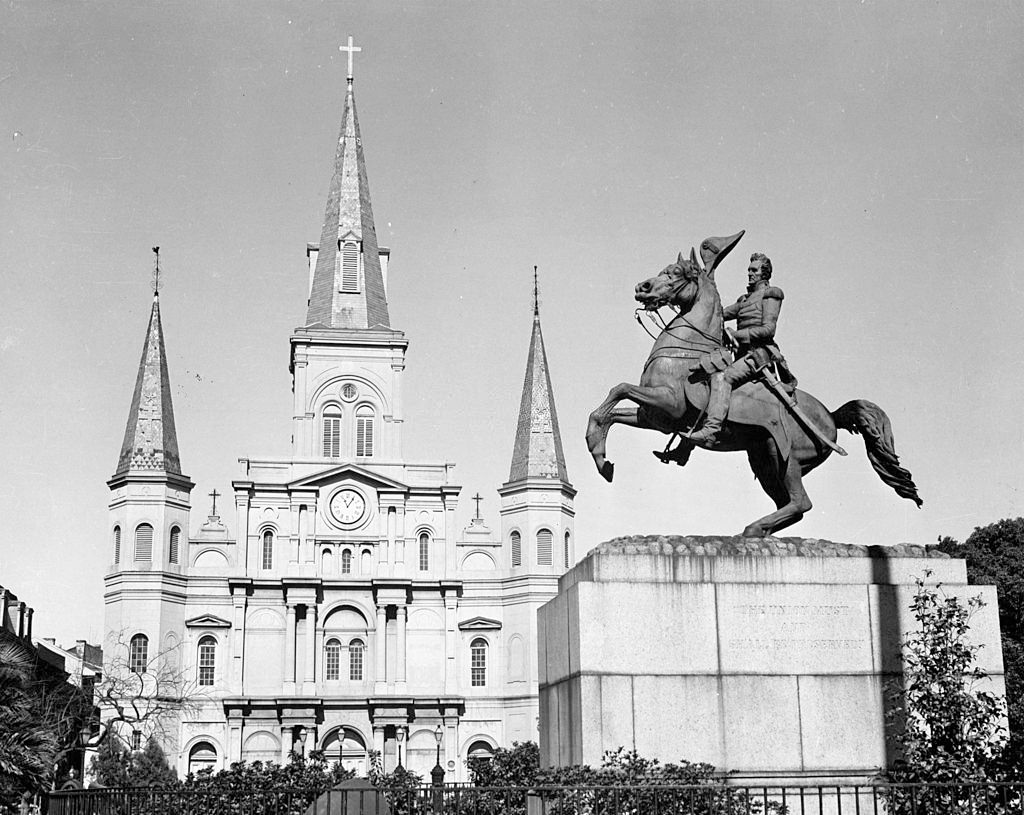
{"x":207,"y":621}
{"x":479,"y":624}
{"x":353,"y":471}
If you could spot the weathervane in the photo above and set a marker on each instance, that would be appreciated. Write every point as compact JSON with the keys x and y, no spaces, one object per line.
{"x":156,"y":272}
{"x":351,"y":49}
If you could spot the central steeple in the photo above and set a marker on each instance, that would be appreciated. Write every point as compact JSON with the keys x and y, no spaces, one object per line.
{"x":347,"y":289}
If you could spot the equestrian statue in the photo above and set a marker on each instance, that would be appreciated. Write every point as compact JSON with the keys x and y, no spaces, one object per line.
{"x":729,"y":391}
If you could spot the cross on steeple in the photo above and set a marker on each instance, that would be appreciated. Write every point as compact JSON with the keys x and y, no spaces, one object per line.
{"x":156,"y":271}
{"x":536,"y":298}
{"x":351,"y":50}
{"x":214,"y":495}
{"x":478,"y":498}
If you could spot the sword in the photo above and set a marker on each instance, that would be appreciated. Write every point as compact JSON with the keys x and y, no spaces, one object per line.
{"x":772,"y":382}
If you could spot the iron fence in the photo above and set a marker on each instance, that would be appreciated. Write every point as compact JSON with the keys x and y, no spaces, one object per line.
{"x":641,"y":799}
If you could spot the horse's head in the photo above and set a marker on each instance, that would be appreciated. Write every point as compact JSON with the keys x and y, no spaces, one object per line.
{"x":678,"y":284}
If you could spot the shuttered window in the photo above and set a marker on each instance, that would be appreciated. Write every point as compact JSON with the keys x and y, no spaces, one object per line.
{"x":332,"y":434}
{"x":517,"y":549}
{"x":268,"y":550}
{"x":138,"y":654}
{"x":567,"y":550}
{"x":117,"y":544}
{"x":364,"y":431}
{"x":350,"y":266}
{"x":478,"y":663}
{"x":143,"y":543}
{"x":346,"y":562}
{"x":172,"y":549}
{"x":544,"y":547}
{"x":424,"y":552}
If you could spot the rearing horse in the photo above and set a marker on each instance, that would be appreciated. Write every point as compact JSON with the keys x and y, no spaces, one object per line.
{"x":673,"y":395}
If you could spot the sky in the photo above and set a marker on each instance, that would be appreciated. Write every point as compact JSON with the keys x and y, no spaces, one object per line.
{"x":873,"y":150}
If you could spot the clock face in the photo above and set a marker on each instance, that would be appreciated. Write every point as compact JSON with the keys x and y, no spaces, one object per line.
{"x":348,"y":506}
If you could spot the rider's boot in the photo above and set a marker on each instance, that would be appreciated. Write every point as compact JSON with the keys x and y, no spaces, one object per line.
{"x":718,"y":407}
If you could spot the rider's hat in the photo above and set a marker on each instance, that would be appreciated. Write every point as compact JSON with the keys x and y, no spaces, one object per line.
{"x":714,"y":250}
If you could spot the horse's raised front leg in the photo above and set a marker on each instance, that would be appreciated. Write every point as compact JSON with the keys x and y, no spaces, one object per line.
{"x":597,"y":434}
{"x":783,"y":482}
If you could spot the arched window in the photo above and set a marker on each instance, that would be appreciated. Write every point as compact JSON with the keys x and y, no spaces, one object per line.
{"x":480,"y":751}
{"x":207,"y":659}
{"x":138,"y":654}
{"x":332,"y":432}
{"x":478,"y":663}
{"x":424,"y":551}
{"x":327,"y":562}
{"x":355,"y":660}
{"x":143,"y":543}
{"x":268,"y":550}
{"x":517,"y":549}
{"x":172,"y":549}
{"x":346,"y":562}
{"x":544,"y":547}
{"x":350,"y":266}
{"x":567,"y":550}
{"x":364,"y":431}
{"x":332,"y":660}
{"x":117,"y":544}
{"x":201,"y":757}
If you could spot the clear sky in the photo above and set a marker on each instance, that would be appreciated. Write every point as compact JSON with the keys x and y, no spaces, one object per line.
{"x":874,"y":150}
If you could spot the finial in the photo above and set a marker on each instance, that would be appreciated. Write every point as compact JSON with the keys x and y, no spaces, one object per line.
{"x":351,"y":49}
{"x":156,"y":272}
{"x":536,"y":298}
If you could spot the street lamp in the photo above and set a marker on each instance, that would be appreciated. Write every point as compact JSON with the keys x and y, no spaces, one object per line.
{"x":437,"y":774}
{"x":400,"y":735}
{"x":302,"y":741}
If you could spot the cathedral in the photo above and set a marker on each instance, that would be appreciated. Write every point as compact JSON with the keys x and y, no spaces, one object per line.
{"x":344,"y":611}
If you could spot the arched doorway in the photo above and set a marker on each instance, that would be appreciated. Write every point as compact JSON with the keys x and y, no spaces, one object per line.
{"x":346,"y":746}
{"x":202,"y":756}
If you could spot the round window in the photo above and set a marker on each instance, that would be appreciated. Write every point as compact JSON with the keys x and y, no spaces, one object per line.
{"x":349,"y":392}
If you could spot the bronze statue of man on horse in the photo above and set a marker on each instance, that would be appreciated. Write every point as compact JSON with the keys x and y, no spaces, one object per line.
{"x":720,"y":391}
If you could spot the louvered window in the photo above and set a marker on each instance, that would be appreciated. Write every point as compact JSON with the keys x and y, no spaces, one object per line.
{"x":364,"y":431}
{"x":332,"y":434}
{"x":544,"y":547}
{"x":346,"y":562}
{"x":143,"y":542}
{"x":332,"y":661}
{"x":478,"y":663}
{"x":207,"y":660}
{"x":424,"y":552}
{"x":517,"y":549}
{"x":117,"y":544}
{"x":355,"y":660}
{"x":567,"y":550}
{"x":350,"y":266}
{"x":268,"y":550}
{"x":138,"y":654}
{"x":172,"y":550}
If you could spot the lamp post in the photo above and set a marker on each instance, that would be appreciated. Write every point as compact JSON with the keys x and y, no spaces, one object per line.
{"x":400,"y":736}
{"x":302,"y":742}
{"x":437,"y":775}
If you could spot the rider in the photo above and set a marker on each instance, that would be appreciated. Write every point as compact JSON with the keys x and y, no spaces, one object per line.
{"x":756,"y":314}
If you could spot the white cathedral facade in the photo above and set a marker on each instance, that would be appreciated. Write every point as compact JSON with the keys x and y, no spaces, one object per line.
{"x":344,"y":611}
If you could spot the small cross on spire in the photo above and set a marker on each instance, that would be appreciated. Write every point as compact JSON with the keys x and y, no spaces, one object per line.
{"x":351,"y":50}
{"x":214,"y":495}
{"x":536,"y":298}
{"x":156,"y":272}
{"x":478,"y":498}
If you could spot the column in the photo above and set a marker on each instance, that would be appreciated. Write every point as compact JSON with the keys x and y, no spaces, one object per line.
{"x":399,"y":560}
{"x":403,"y":615}
{"x":451,"y":680}
{"x":289,"y":645}
{"x":234,"y":741}
{"x":238,"y":642}
{"x":242,"y":531}
{"x":286,"y":743}
{"x":378,"y":741}
{"x":309,"y":676}
{"x":380,"y":646}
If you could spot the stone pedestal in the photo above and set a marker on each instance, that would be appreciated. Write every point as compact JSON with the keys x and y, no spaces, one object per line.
{"x":769,"y":659}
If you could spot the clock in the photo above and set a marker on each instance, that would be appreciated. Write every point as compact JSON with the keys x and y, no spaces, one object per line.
{"x":348,"y":506}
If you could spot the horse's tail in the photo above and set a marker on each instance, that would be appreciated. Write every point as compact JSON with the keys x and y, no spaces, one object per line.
{"x":869,"y":420}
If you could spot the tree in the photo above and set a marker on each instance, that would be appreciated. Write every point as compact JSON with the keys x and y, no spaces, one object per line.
{"x":948,"y":727}
{"x":111,"y":765}
{"x":147,"y":697}
{"x":995,"y":556}
{"x":27,"y":745}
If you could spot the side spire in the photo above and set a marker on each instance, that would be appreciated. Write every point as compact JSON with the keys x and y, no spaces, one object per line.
{"x":348,"y":286}
{"x":538,"y":447}
{"x":150,"y":440}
